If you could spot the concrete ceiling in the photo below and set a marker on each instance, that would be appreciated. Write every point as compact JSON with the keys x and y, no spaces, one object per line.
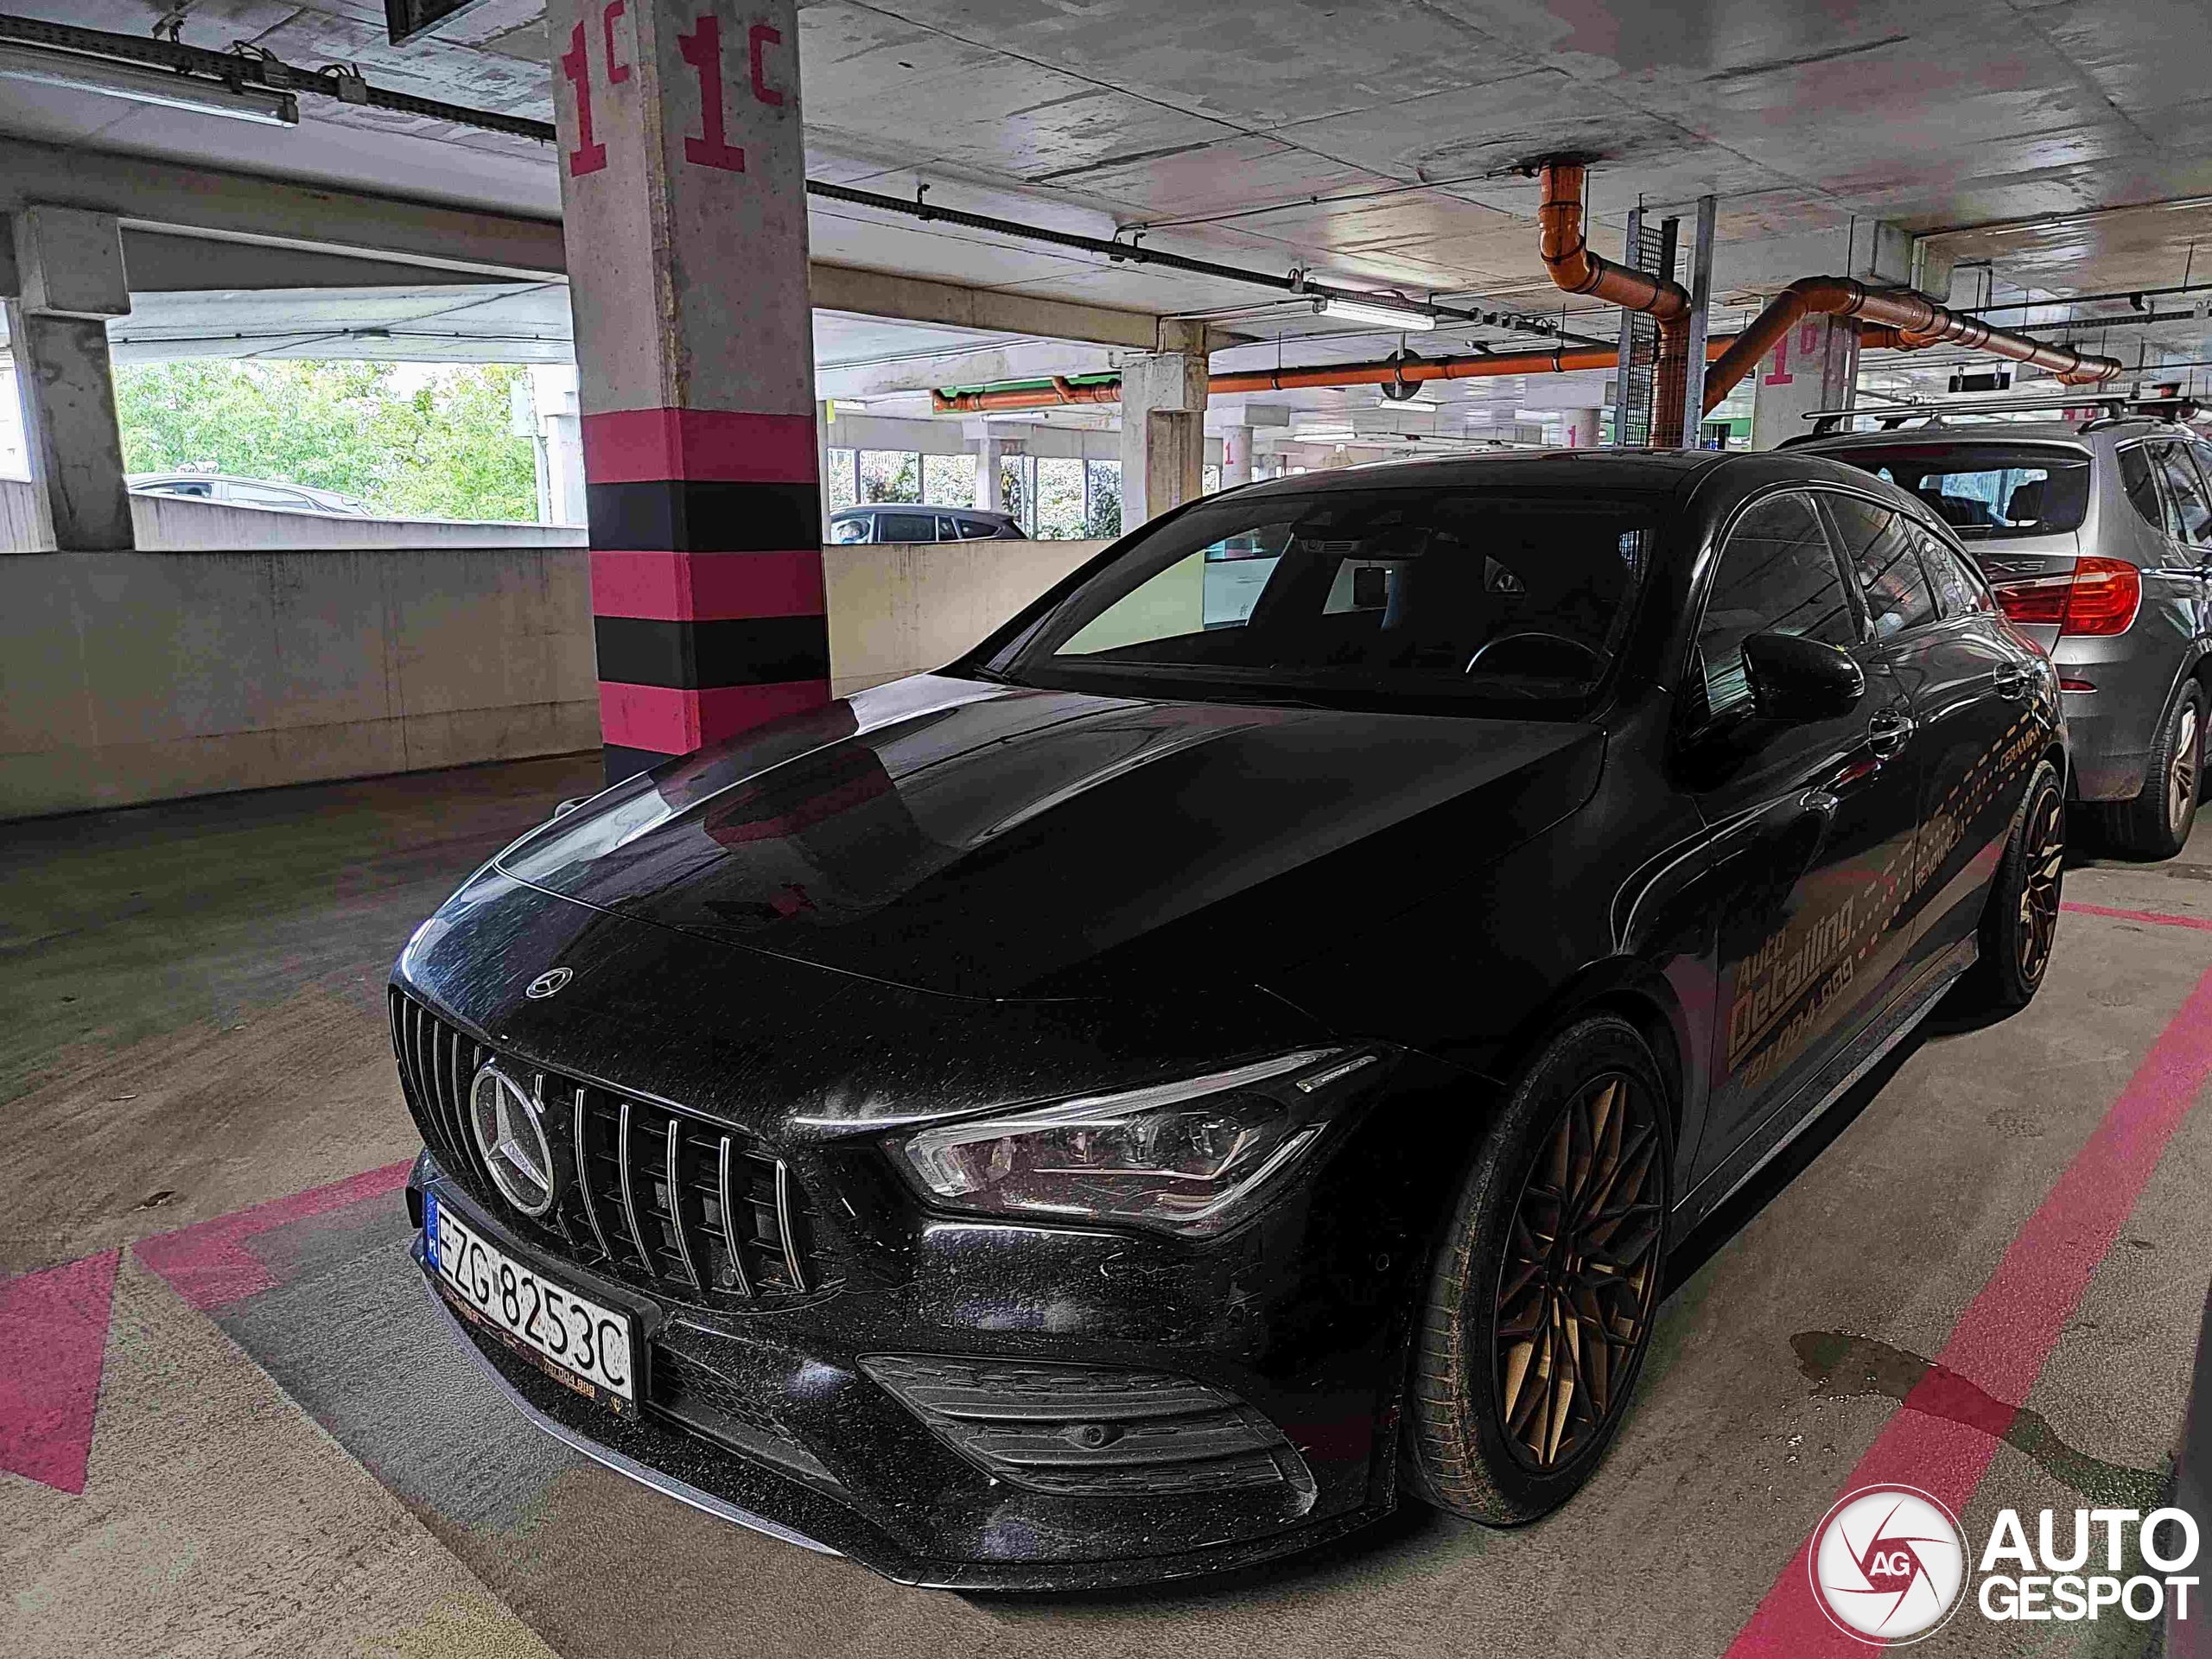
{"x":1372,"y":143}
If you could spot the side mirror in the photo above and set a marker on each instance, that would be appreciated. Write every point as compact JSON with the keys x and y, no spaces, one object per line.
{"x":1795,"y":678}
{"x":568,"y":806}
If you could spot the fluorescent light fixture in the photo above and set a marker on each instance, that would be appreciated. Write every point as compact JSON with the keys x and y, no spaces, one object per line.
{"x":1322,"y":433}
{"x":161,"y":86}
{"x":1425,"y":404}
{"x":1389,"y":316}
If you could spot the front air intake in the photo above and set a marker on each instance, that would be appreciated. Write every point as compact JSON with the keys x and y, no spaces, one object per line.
{"x":1080,"y":1431}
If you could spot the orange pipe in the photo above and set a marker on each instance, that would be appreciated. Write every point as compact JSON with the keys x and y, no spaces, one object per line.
{"x":1381,"y":372}
{"x":1576,"y":269}
{"x":1058,"y":395}
{"x":1910,"y":324}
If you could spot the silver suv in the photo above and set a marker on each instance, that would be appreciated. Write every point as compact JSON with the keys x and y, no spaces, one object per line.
{"x":2098,"y":541}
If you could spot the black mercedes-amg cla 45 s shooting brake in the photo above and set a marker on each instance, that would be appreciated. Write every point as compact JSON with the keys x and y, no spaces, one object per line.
{"x":1233,"y":1051}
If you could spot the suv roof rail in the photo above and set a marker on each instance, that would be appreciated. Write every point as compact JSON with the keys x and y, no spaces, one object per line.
{"x":2119,"y":406}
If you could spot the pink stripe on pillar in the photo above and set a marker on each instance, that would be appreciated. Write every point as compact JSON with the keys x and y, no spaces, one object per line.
{"x":669,"y":721}
{"x":706,"y":586}
{"x":725,"y":445}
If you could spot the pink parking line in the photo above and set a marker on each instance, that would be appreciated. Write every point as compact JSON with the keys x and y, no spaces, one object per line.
{"x":208,"y":1264}
{"x":2005,"y":1338}
{"x":53,"y":1347}
{"x":2164,"y":918}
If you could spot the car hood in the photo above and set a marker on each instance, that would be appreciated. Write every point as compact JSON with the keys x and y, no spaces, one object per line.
{"x":996,"y":841}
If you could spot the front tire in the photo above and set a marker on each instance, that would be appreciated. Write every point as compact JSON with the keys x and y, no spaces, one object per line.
{"x":1541,"y":1299}
{"x":2156,"y":823}
{"x":2020,"y":920}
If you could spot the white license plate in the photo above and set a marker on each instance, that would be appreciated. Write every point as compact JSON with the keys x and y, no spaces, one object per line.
{"x":577,"y":1341}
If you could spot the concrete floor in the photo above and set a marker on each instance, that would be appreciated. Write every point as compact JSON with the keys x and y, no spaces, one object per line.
{"x":228,"y":1426}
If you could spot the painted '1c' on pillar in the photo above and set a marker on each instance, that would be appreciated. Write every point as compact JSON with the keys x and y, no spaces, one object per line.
{"x":683,"y":193}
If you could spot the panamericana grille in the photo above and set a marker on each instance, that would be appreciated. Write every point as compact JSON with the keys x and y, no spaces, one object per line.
{"x":686,"y":1209}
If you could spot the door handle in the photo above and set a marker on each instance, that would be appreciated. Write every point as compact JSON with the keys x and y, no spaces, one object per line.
{"x":2011,"y":680}
{"x":1887,"y":732}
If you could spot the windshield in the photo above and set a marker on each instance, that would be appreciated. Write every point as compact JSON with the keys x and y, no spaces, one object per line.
{"x":1393,"y":596}
{"x":1987,"y":490}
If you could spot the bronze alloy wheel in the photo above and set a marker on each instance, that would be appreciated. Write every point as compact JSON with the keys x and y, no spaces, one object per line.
{"x":2045,"y":846}
{"x":1579,"y":1279}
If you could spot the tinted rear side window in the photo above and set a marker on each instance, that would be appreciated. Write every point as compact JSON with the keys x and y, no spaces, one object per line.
{"x":1777,"y":575}
{"x":1958,"y":587}
{"x":1986,"y":490}
{"x":1877,"y":545}
{"x":2141,"y":485}
{"x":2190,"y":515}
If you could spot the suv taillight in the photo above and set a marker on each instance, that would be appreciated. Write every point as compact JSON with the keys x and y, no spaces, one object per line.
{"x":2097,"y":596}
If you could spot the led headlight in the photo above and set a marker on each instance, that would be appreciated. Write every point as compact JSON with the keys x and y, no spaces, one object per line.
{"x":1188,"y":1156}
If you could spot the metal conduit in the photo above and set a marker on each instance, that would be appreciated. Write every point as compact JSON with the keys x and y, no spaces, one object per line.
{"x":1576,"y":269}
{"x":1910,"y":323}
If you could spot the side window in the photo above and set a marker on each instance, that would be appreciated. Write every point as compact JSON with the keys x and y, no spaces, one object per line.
{"x":948,"y":529}
{"x":2190,"y":514}
{"x":905,"y":527}
{"x":1777,"y":575}
{"x":846,"y":530}
{"x":2142,"y":489}
{"x":1877,"y":545}
{"x":1958,"y":586}
{"x":977,"y":530}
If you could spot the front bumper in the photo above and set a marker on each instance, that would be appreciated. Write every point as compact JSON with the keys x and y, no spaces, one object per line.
{"x":773,"y":1420}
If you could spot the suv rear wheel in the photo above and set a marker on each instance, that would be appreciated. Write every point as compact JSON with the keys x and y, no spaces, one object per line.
{"x":1542,"y":1296}
{"x":2156,"y":822}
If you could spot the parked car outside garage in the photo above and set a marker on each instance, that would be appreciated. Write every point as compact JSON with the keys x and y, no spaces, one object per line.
{"x":2098,"y":541}
{"x":268,"y":493}
{"x":905,"y":524}
{"x":1153,"y":1094}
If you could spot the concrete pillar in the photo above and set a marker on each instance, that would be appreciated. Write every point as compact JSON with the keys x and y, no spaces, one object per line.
{"x":985,"y":437}
{"x":1815,"y":366}
{"x":1577,"y":429}
{"x":683,"y":191}
{"x":69,"y":280}
{"x":1163,"y":424}
{"x":1235,"y":456}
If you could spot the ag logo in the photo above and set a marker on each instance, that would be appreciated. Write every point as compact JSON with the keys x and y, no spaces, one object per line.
{"x":1888,"y":1564}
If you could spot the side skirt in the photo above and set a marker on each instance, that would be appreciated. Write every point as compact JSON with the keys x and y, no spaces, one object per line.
{"x":1891,"y":1026}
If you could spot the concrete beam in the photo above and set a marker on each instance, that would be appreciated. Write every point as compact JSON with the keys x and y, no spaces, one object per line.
{"x":983,"y":365}
{"x":204,"y":204}
{"x":923,"y":299}
{"x":159,"y":195}
{"x":168,"y":262}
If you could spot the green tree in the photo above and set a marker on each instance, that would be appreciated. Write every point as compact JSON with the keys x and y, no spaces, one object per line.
{"x":444,"y":451}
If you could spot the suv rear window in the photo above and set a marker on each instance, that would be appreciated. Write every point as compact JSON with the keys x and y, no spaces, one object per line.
{"x":1988,"y":491}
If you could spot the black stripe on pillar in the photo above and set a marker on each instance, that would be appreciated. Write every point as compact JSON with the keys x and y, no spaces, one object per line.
{"x":696,"y":656}
{"x":673,"y":516}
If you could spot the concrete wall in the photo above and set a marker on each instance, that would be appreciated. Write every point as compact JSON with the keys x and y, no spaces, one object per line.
{"x":897,"y":609}
{"x":138,"y":676}
{"x":127,"y":677}
{"x":176,"y":523}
